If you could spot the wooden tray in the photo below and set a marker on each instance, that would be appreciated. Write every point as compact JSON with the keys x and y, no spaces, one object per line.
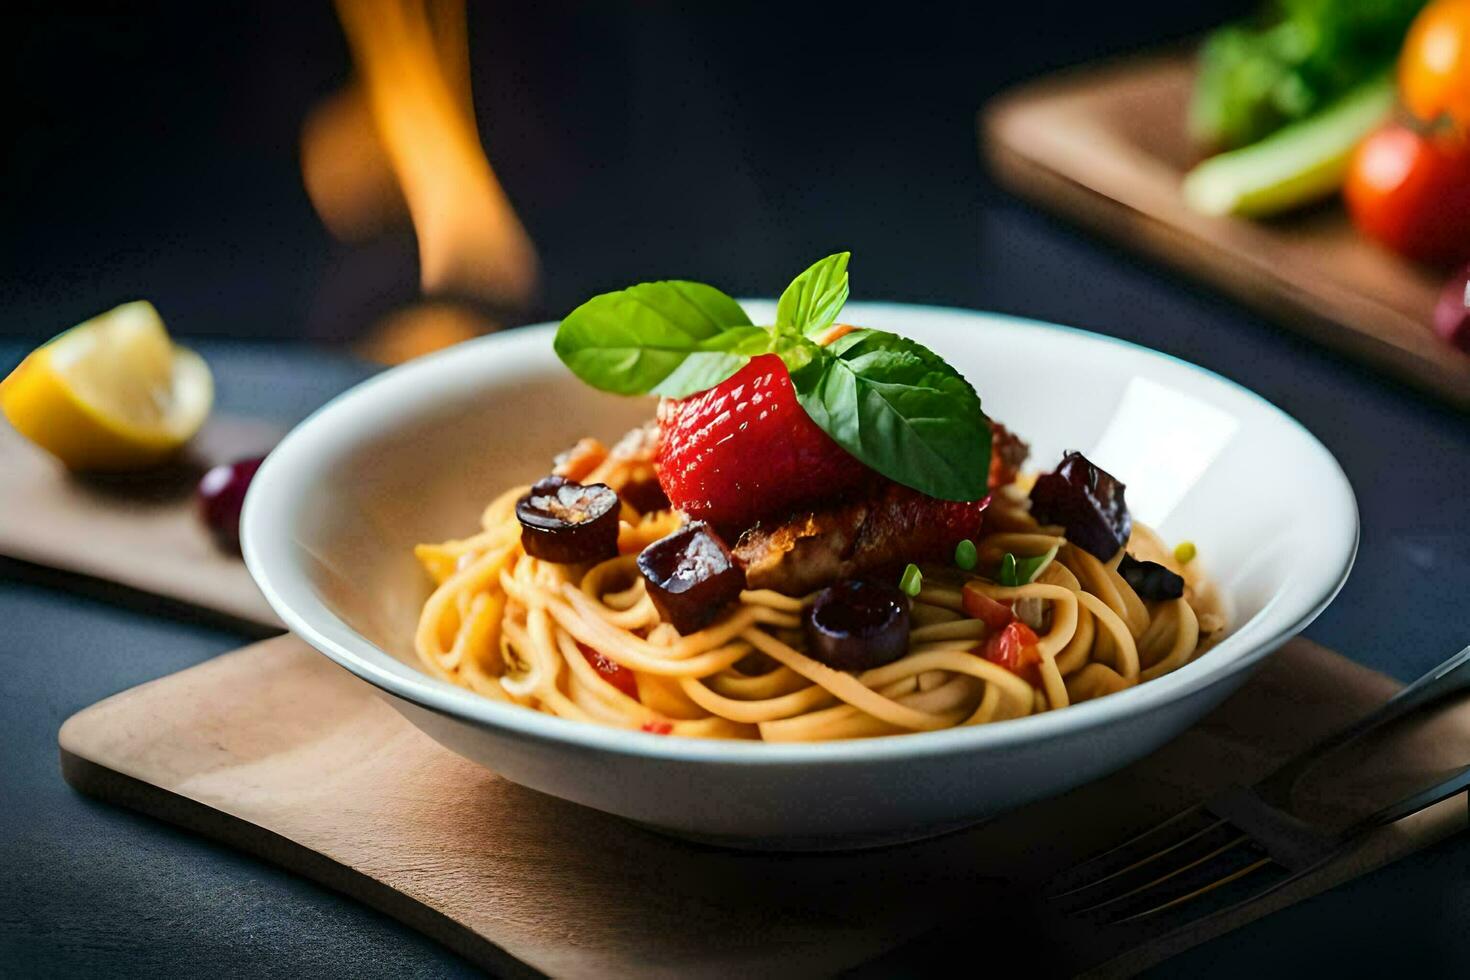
{"x":139,"y":532}
{"x":1106,"y":145}
{"x":277,"y":751}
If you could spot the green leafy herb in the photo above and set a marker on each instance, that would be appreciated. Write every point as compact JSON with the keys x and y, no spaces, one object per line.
{"x":1289,"y":61}
{"x":665,"y":338}
{"x":899,"y":408}
{"x":911,"y":581}
{"x":814,"y":298}
{"x":889,"y":401}
{"x":965,"y":555}
{"x":1023,"y":571}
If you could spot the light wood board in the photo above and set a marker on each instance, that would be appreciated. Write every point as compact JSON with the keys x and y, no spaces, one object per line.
{"x":142,"y":532}
{"x":277,"y":751}
{"x":1107,"y":146}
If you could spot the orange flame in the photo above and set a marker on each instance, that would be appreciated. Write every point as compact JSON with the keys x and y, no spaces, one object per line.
{"x":412,"y":120}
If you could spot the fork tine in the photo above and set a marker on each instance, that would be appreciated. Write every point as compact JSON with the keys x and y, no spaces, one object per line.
{"x":1203,"y":890}
{"x":1166,"y":876}
{"x":1457,"y":783}
{"x":1146,"y":859}
{"x":1131,"y":842}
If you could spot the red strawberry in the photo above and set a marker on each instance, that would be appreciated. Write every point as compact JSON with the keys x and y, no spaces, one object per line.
{"x":745,"y":449}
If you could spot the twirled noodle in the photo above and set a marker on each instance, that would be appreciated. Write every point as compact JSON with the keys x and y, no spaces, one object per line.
{"x":574,"y":641}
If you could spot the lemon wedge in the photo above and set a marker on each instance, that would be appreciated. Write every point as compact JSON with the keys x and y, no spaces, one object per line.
{"x":113,"y":393}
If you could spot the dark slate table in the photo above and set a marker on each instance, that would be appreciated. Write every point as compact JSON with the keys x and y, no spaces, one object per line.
{"x":90,"y":889}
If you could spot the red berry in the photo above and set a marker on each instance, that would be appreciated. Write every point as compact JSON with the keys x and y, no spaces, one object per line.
{"x":1452,"y":315}
{"x":221,"y":496}
{"x":745,"y":449}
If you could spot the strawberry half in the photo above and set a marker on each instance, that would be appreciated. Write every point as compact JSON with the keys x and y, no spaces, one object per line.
{"x":745,"y":449}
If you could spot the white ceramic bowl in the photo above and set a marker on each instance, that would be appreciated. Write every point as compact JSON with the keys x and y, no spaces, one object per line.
{"x":414,"y":454}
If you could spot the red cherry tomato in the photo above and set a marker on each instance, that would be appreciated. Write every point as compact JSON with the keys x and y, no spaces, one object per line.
{"x":1014,"y":648}
{"x":613,"y":672}
{"x":1412,"y":193}
{"x":980,"y":606}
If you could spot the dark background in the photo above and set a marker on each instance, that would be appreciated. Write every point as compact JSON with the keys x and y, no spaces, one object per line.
{"x":156,"y":151}
{"x":153,"y":151}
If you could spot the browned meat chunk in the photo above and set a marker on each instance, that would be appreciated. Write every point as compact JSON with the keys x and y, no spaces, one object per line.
{"x":892,"y":526}
{"x":1007,"y":455}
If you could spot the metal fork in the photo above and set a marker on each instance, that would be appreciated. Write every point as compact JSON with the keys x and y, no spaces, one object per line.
{"x":1242,"y":844}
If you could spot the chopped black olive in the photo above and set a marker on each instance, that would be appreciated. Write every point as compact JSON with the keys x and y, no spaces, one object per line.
{"x":568,"y":523}
{"x":1150,"y":579}
{"x":857,"y":625}
{"x":645,"y":496}
{"x":691,"y":576}
{"x":1088,"y":502}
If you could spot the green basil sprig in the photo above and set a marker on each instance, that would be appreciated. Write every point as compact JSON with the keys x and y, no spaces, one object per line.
{"x":890,"y":401}
{"x":814,"y":298}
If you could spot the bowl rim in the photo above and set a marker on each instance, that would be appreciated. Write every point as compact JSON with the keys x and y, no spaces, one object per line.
{"x":264,"y":552}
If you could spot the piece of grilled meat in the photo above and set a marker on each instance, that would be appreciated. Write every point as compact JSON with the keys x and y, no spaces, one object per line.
{"x":1007,"y":455}
{"x":888,"y":527}
{"x":892,"y":526}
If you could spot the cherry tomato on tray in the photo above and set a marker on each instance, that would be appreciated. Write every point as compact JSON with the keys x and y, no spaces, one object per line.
{"x":1411,"y":192}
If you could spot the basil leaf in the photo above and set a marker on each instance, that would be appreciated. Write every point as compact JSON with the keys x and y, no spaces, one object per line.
{"x":898,"y":407}
{"x":814,"y":298}
{"x":669,"y":338}
{"x":714,"y":360}
{"x":795,"y":351}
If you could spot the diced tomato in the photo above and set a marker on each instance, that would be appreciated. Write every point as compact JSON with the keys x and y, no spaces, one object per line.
{"x":1014,"y":648}
{"x":980,"y":606}
{"x":658,"y":727}
{"x":613,"y":672}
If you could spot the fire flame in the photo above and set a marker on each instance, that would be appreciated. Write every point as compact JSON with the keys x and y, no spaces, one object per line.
{"x":405,"y":134}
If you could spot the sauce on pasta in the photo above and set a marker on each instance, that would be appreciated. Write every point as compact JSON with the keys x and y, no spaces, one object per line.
{"x":586,"y":642}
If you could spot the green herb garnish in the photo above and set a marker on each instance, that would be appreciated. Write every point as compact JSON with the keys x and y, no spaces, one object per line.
{"x":812,"y":301}
{"x":889,"y":401}
{"x":965,"y":555}
{"x":1023,"y":571}
{"x":911,"y":581}
{"x":1007,"y":574}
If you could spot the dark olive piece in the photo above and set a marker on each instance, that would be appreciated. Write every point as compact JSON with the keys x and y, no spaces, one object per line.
{"x":1150,"y":579}
{"x":856,"y":625}
{"x":221,"y":495}
{"x":1086,"y":501}
{"x":568,"y":523}
{"x":691,"y":576}
{"x":645,"y":496}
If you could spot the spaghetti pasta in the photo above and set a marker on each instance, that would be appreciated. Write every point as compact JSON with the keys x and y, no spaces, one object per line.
{"x":587,"y":642}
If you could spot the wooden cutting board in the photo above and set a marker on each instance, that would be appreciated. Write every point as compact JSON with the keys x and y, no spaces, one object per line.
{"x":140,"y":531}
{"x":1107,"y":146}
{"x":277,"y":751}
